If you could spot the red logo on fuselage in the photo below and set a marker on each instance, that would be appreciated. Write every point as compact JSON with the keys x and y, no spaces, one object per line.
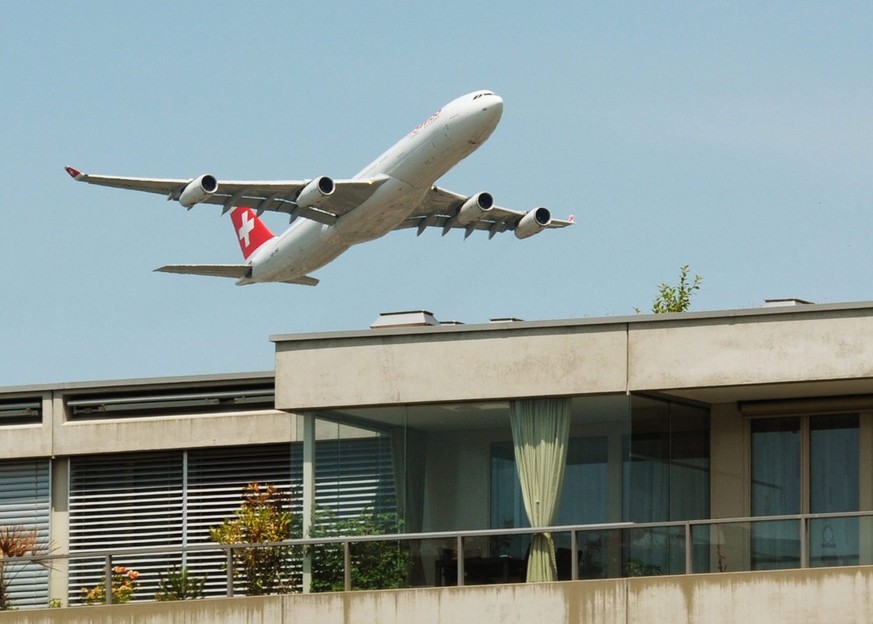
{"x":424,"y":124}
{"x":250,"y":230}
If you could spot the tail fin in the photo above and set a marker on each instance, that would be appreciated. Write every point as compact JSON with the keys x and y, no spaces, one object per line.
{"x":250,"y":230}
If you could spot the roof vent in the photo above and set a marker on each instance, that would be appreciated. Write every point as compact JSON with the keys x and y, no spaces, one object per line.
{"x":781,"y":303}
{"x":412,"y":318}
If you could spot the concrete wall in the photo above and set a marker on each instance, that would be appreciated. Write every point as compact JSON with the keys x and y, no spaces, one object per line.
{"x":29,"y":440}
{"x":833,"y":595}
{"x":172,"y":432}
{"x":645,"y":353}
{"x":726,"y":352}
{"x":381,"y":368}
{"x":59,"y":436}
{"x":729,"y":462}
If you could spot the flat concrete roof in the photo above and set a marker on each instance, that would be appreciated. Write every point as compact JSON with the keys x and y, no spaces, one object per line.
{"x":633,"y":319}
{"x":712,"y":357}
{"x":742,"y":313}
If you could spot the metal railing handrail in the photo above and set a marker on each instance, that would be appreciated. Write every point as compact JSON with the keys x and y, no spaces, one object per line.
{"x":107,"y":554}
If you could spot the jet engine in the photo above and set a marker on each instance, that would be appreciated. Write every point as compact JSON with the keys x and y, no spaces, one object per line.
{"x":198,"y":190}
{"x":533,"y":222}
{"x":315,"y":192}
{"x":475,"y":207}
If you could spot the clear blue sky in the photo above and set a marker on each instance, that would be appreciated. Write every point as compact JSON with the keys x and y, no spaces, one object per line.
{"x":736,"y":137}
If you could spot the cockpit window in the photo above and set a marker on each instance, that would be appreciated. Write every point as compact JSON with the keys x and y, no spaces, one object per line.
{"x":478,"y":95}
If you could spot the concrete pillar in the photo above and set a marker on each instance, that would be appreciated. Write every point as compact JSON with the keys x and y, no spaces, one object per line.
{"x":60,"y":527}
{"x":729,"y":487}
{"x":308,"y":492}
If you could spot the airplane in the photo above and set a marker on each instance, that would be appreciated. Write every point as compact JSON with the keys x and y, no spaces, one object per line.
{"x":395,"y":191}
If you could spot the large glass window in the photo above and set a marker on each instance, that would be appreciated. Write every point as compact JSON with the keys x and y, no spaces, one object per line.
{"x":833,"y":456}
{"x":584,"y":501}
{"x":665,"y":474}
{"x":666,"y":462}
{"x":804,"y":465}
{"x":775,"y":466}
{"x":775,"y":491}
{"x":833,"y":481}
{"x":591,"y":492}
{"x":628,"y":459}
{"x":354,"y":471}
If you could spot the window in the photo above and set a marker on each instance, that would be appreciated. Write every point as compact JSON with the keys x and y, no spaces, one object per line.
{"x":833,"y":483}
{"x":628,"y":459}
{"x":804,"y":464}
{"x":666,"y":462}
{"x":583,"y":499}
{"x":354,"y":470}
{"x":21,"y":411}
{"x":145,"y":403}
{"x":665,"y":474}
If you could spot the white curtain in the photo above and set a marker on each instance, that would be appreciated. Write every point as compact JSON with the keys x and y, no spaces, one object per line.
{"x":540,"y":428}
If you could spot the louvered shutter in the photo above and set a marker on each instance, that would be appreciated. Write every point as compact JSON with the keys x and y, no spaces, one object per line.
{"x":172,"y":498}
{"x":25,"y":502}
{"x":216,"y":479}
{"x":124,"y":501}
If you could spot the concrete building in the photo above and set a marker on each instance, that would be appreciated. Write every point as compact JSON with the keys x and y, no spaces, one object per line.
{"x":728,"y":455}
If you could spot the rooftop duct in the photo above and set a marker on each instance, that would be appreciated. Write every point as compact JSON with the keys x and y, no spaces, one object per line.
{"x":779,"y":303}
{"x":412,"y":318}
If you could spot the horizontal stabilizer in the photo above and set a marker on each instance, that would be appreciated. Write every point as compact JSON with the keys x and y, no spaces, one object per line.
{"x":212,"y":270}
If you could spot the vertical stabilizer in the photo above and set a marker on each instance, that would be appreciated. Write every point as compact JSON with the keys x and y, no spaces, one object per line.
{"x":250,"y":230}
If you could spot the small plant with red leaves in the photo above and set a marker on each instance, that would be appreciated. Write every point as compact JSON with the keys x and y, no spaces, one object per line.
{"x":124,"y":583}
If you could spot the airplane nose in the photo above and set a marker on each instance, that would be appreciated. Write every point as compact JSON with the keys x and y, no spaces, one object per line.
{"x":494,"y":106}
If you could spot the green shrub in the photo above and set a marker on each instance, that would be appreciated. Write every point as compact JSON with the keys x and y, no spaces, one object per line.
{"x":637,"y":567}
{"x":263,"y":516}
{"x":177,"y":584}
{"x":374,"y":565}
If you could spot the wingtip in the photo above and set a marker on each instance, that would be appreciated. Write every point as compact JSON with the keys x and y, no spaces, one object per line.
{"x":74,"y":173}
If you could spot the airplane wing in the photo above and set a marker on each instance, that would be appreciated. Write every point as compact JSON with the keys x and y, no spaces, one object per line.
{"x":276,"y":196}
{"x":440,"y":208}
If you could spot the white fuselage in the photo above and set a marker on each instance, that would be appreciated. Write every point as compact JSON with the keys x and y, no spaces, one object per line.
{"x":412,"y":166}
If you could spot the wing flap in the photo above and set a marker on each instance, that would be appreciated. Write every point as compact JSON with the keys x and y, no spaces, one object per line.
{"x":281,"y":197}
{"x":260,"y":195}
{"x":439,"y":208}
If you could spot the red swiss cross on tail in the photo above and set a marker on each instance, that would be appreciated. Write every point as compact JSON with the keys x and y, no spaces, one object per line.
{"x":251,"y":231}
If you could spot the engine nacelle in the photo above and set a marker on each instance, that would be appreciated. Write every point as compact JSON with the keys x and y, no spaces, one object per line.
{"x":198,"y":190}
{"x":315,"y":192}
{"x":533,"y":222}
{"x":475,"y":207}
